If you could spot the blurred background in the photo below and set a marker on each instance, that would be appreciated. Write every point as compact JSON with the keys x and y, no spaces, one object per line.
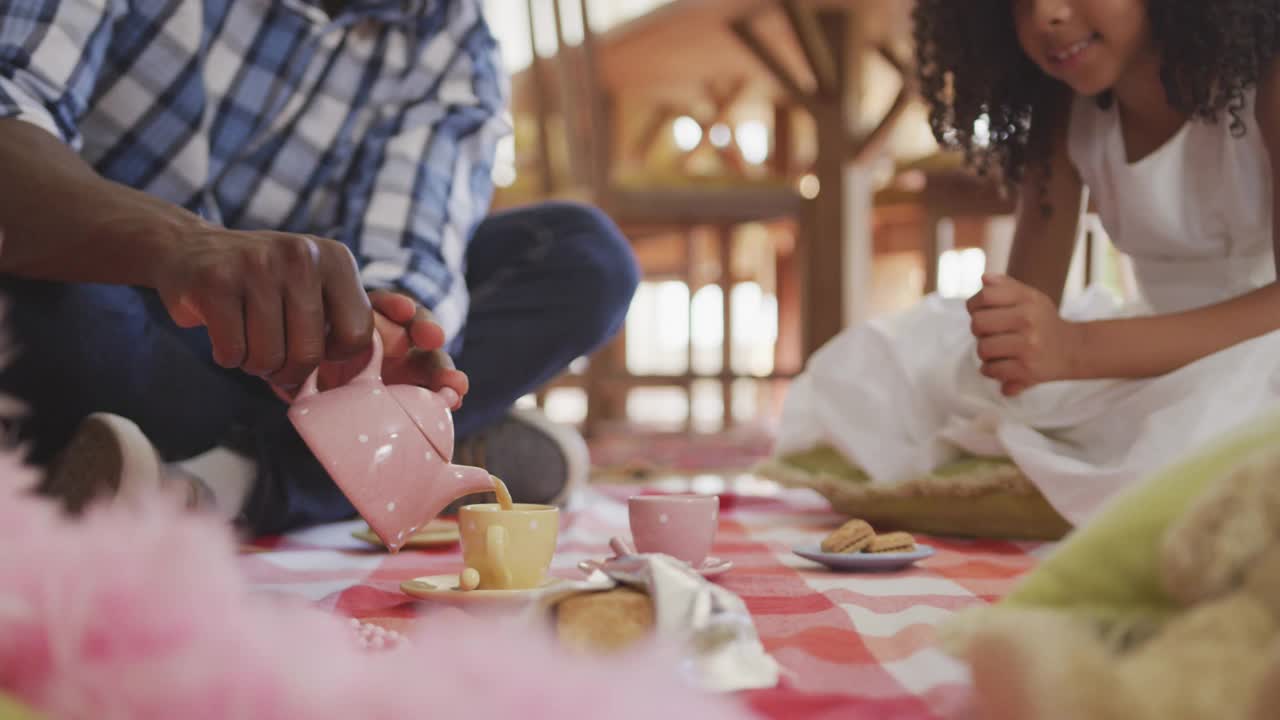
{"x":778,"y":180}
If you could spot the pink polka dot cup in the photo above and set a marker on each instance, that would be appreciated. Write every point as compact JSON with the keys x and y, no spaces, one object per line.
{"x":387,"y":447}
{"x":682,"y":526}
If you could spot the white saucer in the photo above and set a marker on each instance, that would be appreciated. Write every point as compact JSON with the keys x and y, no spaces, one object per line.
{"x":711,"y":567}
{"x":444,"y":588}
{"x":863,"y":561}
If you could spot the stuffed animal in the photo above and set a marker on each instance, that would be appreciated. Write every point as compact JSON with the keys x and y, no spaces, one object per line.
{"x":1213,"y":651}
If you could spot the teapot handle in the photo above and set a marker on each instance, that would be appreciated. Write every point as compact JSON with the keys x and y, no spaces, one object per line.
{"x":372,"y":372}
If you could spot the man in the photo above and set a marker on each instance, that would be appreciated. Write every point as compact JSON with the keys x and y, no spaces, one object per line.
{"x":204,"y":200}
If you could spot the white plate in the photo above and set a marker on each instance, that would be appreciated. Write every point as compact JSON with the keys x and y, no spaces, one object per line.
{"x":863,"y":561}
{"x":444,"y":588}
{"x":711,"y":567}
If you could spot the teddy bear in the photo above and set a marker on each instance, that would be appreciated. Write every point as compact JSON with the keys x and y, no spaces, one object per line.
{"x":1213,"y":652}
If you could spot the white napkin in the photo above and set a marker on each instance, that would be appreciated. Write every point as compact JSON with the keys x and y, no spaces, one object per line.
{"x":723,"y":653}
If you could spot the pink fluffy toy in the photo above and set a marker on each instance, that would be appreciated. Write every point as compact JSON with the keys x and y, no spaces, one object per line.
{"x":139,"y":615}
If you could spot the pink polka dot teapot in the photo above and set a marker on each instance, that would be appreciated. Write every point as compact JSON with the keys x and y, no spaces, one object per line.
{"x":387,"y":447}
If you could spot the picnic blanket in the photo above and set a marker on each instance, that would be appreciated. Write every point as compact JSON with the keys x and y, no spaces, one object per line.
{"x":851,"y":646}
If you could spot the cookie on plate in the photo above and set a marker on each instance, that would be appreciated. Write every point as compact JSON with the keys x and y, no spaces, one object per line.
{"x":850,"y":537}
{"x":892,"y":542}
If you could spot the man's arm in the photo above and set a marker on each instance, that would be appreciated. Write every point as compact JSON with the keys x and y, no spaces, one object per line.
{"x":64,"y":222}
{"x":265,"y":298}
{"x":429,"y":183}
{"x":53,"y":207}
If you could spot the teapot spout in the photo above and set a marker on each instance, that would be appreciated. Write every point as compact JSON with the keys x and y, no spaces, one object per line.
{"x":470,"y":480}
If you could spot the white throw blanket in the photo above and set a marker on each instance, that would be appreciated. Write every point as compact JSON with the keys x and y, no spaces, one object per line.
{"x":903,"y":395}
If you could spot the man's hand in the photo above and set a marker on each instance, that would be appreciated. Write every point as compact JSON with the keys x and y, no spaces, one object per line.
{"x":276,"y":305}
{"x":1022,"y":340}
{"x":413,"y":352}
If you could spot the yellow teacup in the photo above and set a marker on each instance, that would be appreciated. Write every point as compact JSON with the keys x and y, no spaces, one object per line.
{"x":510,"y":549}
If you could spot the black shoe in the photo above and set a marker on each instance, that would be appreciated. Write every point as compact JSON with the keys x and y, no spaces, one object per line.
{"x":540,"y":461}
{"x":109,"y":459}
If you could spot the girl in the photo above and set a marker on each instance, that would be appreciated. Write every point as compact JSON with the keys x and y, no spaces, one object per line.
{"x":1168,"y":113}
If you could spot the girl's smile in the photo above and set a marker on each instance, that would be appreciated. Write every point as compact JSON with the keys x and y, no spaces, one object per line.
{"x":1072,"y":55}
{"x":1066,"y":39}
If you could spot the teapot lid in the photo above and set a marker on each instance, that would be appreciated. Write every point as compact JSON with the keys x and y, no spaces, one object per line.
{"x":430,"y":413}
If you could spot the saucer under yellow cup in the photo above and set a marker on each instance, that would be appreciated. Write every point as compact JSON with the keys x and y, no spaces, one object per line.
{"x":444,"y":589}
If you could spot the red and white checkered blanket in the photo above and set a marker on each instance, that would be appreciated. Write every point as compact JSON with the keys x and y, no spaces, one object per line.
{"x":851,"y":645}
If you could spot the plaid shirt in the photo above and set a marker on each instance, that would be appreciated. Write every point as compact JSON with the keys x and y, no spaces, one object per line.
{"x":376,"y":127}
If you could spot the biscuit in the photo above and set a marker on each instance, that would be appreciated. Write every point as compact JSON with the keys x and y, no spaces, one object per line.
{"x":604,"y":622}
{"x":892,"y":542}
{"x":850,"y":537}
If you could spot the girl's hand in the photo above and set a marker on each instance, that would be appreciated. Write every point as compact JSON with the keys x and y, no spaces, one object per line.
{"x":1022,"y":340}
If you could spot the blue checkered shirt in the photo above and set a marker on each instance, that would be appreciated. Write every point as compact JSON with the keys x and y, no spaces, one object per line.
{"x":376,"y":127}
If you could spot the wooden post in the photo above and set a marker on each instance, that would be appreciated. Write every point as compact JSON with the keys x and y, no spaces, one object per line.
{"x":835,"y":245}
{"x":542,"y":104}
{"x":787,"y":354}
{"x":606,"y":398}
{"x":826,"y":259}
{"x":694,"y":283}
{"x":783,"y":139}
{"x":1089,"y":255}
{"x":725,"y":241}
{"x":600,"y":116}
{"x":939,"y":237}
{"x":570,"y":102}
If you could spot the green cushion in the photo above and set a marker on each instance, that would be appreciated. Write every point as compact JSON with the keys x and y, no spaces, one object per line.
{"x":1111,"y":567}
{"x":971,"y":497}
{"x":12,"y":710}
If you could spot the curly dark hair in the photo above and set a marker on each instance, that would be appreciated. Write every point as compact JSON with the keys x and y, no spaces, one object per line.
{"x":971,"y":66}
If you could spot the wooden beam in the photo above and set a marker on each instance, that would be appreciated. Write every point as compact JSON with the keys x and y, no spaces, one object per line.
{"x":597,"y":106}
{"x":722,"y":101}
{"x":570,"y":107}
{"x":741,"y":28}
{"x":731,"y":154}
{"x":902,"y":66}
{"x":721,"y":106}
{"x":542,"y":104}
{"x":836,"y":24}
{"x":668,"y":207}
{"x":637,"y":59}
{"x":659,"y":119}
{"x":866,"y":148}
{"x":626,"y":381}
{"x":805,"y":27}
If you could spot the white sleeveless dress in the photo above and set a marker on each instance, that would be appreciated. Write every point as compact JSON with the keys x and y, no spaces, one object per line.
{"x":902,"y":395}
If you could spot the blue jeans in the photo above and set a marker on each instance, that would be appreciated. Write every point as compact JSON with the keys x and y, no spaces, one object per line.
{"x":548,"y":284}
